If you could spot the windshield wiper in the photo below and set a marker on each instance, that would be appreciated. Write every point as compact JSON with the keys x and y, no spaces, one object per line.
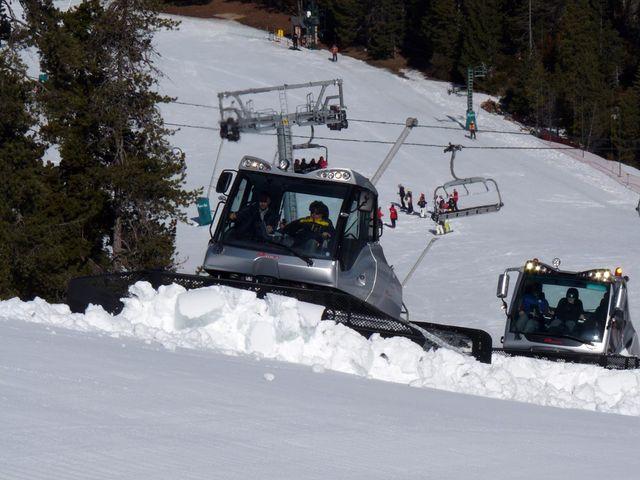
{"x":301,"y":256}
{"x":568,"y":337}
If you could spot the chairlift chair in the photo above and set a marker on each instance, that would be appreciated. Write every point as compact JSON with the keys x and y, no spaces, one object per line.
{"x":309,"y":145}
{"x":445,"y":189}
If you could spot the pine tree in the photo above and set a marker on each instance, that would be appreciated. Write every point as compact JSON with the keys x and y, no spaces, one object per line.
{"x":481,"y":33}
{"x":344,"y":21}
{"x":145,"y":176}
{"x":441,"y":27}
{"x":416,"y":46}
{"x":123,"y":181}
{"x":39,"y":246}
{"x":581,"y":73}
{"x":385,"y":23}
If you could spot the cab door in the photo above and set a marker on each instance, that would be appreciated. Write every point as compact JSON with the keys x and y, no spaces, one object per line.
{"x":363,"y":271}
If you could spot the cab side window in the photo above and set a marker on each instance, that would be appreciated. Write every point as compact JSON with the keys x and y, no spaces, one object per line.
{"x":240,"y":200}
{"x":359,"y":230}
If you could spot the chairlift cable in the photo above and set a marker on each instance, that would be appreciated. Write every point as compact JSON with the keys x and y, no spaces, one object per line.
{"x":388,"y":142}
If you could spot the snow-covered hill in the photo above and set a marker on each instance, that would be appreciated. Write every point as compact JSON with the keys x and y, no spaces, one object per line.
{"x":86,"y":406}
{"x":555,"y":206}
{"x":148,"y":393}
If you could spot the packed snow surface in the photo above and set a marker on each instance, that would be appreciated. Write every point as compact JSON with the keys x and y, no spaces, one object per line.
{"x":235,"y":322}
{"x":77,"y":405}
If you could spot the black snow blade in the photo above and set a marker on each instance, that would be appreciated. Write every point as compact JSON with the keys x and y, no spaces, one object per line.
{"x":107,"y":290}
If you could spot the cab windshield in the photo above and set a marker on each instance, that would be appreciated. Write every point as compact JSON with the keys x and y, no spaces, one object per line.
{"x":278,"y":214}
{"x":563,"y":307}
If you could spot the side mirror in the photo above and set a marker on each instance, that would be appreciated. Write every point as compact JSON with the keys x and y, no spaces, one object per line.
{"x":503,"y":286}
{"x":365,"y":201}
{"x":224,"y":180}
{"x":621,"y":299}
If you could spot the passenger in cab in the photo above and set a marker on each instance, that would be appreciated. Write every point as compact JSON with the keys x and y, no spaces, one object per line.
{"x":255,"y":221}
{"x":296,"y":165}
{"x":322,"y":162}
{"x":312,"y":232}
{"x":533,"y":308}
{"x":569,"y":310}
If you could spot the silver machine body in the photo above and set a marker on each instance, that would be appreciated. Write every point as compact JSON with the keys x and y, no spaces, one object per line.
{"x":366,"y":274}
{"x":604,"y":330}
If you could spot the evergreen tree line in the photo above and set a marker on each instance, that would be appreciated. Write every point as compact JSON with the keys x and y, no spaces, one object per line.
{"x":113,"y":199}
{"x":569,"y":66}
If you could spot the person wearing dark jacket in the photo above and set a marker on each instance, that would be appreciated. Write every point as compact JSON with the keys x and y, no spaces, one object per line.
{"x":409,"y":198}
{"x":314,"y":231}
{"x":422,"y":203}
{"x":568,"y":311}
{"x":255,"y":221}
{"x":303,"y":166}
{"x":401,"y":194}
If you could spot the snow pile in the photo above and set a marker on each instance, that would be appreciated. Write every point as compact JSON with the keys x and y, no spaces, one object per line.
{"x":235,"y":322}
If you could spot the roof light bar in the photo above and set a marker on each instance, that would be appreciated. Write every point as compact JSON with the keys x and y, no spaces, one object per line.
{"x":599,"y":275}
{"x":532,"y":266}
{"x":255,"y":164}
{"x":334,"y":174}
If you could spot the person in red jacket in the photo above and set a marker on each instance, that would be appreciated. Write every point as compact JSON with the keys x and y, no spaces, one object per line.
{"x":322,"y":162}
{"x":455,"y":198}
{"x":393,"y":215}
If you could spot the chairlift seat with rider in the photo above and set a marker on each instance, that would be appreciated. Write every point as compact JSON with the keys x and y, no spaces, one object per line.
{"x":445,"y":190}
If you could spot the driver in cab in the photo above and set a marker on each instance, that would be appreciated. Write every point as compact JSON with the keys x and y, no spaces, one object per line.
{"x":314,"y":230}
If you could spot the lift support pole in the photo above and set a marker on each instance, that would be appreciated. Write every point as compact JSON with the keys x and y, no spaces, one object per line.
{"x":410,"y":123}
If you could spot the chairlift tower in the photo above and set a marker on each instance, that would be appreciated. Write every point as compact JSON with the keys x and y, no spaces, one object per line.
{"x":472,"y":72}
{"x":237,"y":115}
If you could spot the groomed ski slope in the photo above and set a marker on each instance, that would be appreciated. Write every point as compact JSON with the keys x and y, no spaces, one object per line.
{"x":554,"y":206}
{"x":235,"y":322}
{"x":87,"y":406}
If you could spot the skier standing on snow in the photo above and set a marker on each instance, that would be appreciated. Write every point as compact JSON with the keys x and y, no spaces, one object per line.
{"x":401,"y":194}
{"x":422,"y":203}
{"x":393,"y":215}
{"x":334,"y":53}
{"x":472,"y":130}
{"x":409,"y":198}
